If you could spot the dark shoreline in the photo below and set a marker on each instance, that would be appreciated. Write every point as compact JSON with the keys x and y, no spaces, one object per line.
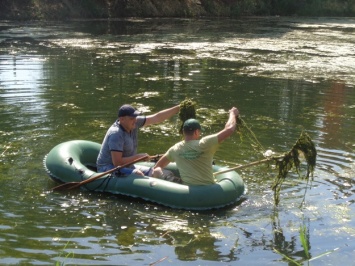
{"x":62,"y":10}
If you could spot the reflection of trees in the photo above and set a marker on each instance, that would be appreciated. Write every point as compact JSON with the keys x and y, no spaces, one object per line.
{"x":334,"y":101}
{"x":337,"y":124}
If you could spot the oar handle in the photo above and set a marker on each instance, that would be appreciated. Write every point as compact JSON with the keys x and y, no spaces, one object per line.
{"x":155,"y":156}
{"x":248,"y":165}
{"x":78,"y":184}
{"x":109,"y":171}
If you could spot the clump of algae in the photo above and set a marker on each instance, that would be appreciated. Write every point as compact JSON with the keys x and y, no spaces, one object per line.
{"x":187,"y":111}
{"x":304,"y":147}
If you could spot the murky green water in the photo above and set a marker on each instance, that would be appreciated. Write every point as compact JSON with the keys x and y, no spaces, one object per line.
{"x":65,"y":81}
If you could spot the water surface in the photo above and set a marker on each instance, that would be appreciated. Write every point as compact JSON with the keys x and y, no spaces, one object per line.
{"x":64,"y":81}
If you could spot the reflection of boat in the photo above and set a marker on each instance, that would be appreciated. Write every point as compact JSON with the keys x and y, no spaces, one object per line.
{"x":74,"y":161}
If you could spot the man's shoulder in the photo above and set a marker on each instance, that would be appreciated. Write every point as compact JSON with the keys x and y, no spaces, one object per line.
{"x":114,"y":129}
{"x":209,"y":140}
{"x":177,"y":146}
{"x":210,"y":137}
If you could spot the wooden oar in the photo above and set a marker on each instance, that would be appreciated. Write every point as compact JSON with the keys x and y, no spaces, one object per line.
{"x":72,"y":185}
{"x":248,"y":165}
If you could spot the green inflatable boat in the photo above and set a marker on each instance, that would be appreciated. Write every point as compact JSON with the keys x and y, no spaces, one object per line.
{"x":74,"y":161}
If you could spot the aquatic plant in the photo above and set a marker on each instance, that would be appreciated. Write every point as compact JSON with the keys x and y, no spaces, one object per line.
{"x":304,"y":147}
{"x":187,"y":111}
{"x":65,"y":254}
{"x":304,"y":235}
{"x":303,"y":239}
{"x":244,"y":130}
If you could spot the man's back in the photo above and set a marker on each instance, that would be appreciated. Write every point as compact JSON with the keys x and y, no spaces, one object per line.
{"x":194,"y":160}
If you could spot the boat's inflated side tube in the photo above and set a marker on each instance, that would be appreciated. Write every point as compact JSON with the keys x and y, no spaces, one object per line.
{"x":74,"y":161}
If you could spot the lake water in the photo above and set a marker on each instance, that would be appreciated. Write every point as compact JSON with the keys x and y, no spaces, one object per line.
{"x":64,"y":81}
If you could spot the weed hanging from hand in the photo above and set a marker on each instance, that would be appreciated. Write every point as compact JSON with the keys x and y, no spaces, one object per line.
{"x":187,"y":111}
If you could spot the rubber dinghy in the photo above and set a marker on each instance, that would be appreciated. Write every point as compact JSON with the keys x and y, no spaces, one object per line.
{"x":74,"y":161}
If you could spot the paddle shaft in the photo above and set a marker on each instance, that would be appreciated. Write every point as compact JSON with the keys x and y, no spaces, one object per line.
{"x":72,"y":185}
{"x":248,"y":165}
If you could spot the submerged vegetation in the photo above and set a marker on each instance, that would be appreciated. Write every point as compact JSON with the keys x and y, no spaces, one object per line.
{"x":103,"y":9}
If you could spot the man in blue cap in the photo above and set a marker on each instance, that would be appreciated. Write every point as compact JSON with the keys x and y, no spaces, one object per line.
{"x":194,"y":156}
{"x":121,"y":140}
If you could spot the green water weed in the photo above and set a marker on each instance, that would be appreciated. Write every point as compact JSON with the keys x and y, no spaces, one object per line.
{"x":65,"y":254}
{"x":303,"y":239}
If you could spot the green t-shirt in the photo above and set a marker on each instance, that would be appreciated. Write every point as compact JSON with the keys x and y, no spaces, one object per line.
{"x":194,"y":159}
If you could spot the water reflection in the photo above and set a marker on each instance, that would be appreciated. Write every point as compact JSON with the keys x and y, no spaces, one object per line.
{"x":65,"y":81}
{"x":335,"y":102}
{"x":290,"y":249}
{"x":190,"y":234}
{"x":21,"y":77}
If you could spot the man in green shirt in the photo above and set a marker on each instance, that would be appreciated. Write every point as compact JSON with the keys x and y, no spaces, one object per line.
{"x":194,"y":156}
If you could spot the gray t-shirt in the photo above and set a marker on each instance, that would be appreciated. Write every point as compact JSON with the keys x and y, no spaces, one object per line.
{"x":118,"y":139}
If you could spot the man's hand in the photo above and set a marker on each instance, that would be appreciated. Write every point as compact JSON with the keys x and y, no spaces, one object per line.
{"x":235,"y":111}
{"x":138,"y":172}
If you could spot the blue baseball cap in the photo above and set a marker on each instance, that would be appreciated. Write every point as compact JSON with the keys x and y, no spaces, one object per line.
{"x":128,"y":110}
